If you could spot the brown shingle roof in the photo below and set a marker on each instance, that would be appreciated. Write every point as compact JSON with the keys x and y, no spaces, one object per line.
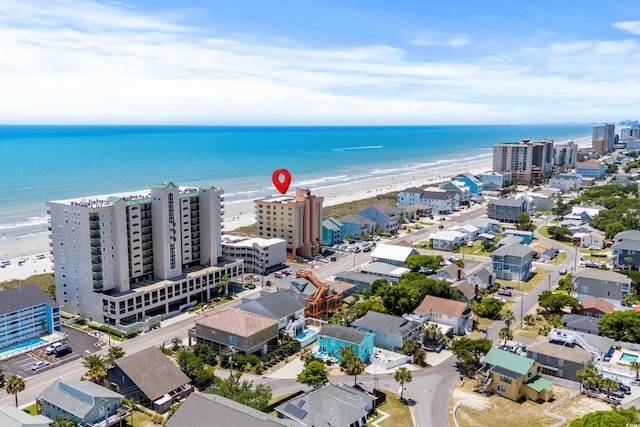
{"x":597,"y":304}
{"x":440,"y":305}
{"x":237,"y":322}
{"x":153,"y":372}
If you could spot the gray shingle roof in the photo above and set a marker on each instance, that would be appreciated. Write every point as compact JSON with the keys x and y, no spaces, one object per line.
{"x":628,"y":235}
{"x":584,"y":323}
{"x":385,"y":323}
{"x":627,"y":245}
{"x":343,"y":333}
{"x":507,"y":202}
{"x":513,"y":250}
{"x":435,"y":195}
{"x":275,"y":305}
{"x":153,"y":372}
{"x":16,"y":417}
{"x":200,"y":409}
{"x":16,"y":299}
{"x":356,"y":219}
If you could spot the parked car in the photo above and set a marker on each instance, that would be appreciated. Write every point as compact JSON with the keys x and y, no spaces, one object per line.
{"x":504,"y":292}
{"x":624,"y":388}
{"x":367,"y":249}
{"x":62,"y":350}
{"x":333,"y":258}
{"x":52,"y":348}
{"x":278,"y":275}
{"x":38,"y":365}
{"x":562,"y":271}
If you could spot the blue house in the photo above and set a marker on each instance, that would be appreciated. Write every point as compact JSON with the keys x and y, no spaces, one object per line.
{"x":387,"y":217}
{"x":332,"y":338}
{"x":474,"y":184}
{"x":356,"y":225}
{"x":26,"y":314}
{"x":332,"y":232}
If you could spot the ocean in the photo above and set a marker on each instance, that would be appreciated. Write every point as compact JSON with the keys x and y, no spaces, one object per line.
{"x":41,"y":163}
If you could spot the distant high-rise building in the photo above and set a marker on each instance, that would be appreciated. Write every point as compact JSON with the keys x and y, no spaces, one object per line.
{"x":566,"y":155}
{"x":607,"y":133}
{"x":526,"y":161}
{"x":126,"y":257}
{"x":297,"y":219}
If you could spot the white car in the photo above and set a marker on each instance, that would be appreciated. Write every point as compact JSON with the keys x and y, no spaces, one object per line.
{"x":39,"y":364}
{"x":52,"y":348}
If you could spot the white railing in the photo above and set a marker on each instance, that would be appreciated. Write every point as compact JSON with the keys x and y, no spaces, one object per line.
{"x":561,"y":420}
{"x":461,"y":403}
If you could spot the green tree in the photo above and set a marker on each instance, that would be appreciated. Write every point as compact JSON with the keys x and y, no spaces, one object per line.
{"x":428,"y":262}
{"x":96,"y":367}
{"x":524,"y":222}
{"x":566,"y":284}
{"x":314,"y":374}
{"x":15,"y":385}
{"x":612,"y":229}
{"x":224,"y":282}
{"x":204,"y":377}
{"x":529,"y":319}
{"x":205,"y":353}
{"x":488,"y":307}
{"x":63,"y":422}
{"x":589,"y":376}
{"x":306,"y":355}
{"x":469,"y":352}
{"x":609,"y":384}
{"x":351,"y":363}
{"x":555,"y":320}
{"x":505,"y":334}
{"x":555,"y":303}
{"x":243,"y":392}
{"x":114,"y":353}
{"x":615,"y":418}
{"x":409,"y":346}
{"x":621,"y":325}
{"x":562,"y":234}
{"x":403,"y":376}
{"x":189,"y":362}
{"x":635,"y":367}
{"x":176,"y":343}
{"x":508,"y":318}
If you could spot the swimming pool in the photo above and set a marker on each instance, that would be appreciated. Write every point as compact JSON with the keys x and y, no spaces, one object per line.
{"x":306,"y":334}
{"x":617,"y":377}
{"x":629,"y":358}
{"x":22,"y":347}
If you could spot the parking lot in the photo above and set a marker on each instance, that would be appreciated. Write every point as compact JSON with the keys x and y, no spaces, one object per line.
{"x":81,"y":343}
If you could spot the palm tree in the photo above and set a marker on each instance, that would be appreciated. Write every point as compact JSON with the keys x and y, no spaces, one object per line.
{"x":63,"y":422}
{"x":225,"y":284}
{"x":402,"y":375}
{"x":306,"y":355}
{"x":505,"y":334}
{"x":354,"y":365}
{"x":609,"y":384}
{"x":15,"y":385}
{"x":529,"y":319}
{"x":589,"y":375}
{"x":176,"y":343}
{"x":508,"y":317}
{"x":96,"y":368}
{"x":636,"y":368}
{"x":555,"y":320}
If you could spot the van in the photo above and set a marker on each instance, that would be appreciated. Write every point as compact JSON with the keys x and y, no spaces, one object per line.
{"x":62,"y":350}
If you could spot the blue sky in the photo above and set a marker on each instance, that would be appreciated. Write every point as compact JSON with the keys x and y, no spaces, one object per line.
{"x":319,"y":62}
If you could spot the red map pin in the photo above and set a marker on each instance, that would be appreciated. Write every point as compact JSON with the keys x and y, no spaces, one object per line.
{"x":281,"y":179}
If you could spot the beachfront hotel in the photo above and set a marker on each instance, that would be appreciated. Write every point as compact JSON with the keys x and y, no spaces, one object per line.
{"x":135,"y":257}
{"x":296,"y":219}
{"x":526,"y":161}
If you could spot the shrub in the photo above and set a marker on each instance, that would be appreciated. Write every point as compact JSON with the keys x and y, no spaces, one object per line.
{"x":79,"y":320}
{"x":154,"y":325}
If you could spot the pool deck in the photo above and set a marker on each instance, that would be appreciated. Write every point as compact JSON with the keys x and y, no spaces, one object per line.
{"x":616,"y":358}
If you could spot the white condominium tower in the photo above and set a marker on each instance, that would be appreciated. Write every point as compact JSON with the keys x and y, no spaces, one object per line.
{"x":126,"y":258}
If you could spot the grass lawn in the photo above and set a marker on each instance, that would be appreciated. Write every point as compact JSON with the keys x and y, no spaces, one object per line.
{"x":400,"y":413}
{"x":539,"y":274}
{"x":544,"y":232}
{"x":31,"y":410}
{"x":560,"y":258}
{"x":530,"y":331}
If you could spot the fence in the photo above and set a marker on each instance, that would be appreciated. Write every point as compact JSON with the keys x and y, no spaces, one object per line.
{"x":561,"y":420}
{"x":561,"y":381}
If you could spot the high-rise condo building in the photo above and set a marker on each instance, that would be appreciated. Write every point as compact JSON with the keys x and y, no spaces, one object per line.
{"x":607,"y":134}
{"x":297,"y":219}
{"x":126,"y":258}
{"x":566,"y":155}
{"x":526,"y":161}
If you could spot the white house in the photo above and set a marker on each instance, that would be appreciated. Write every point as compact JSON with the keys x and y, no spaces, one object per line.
{"x":259,"y":255}
{"x":446,"y":240}
{"x":455,"y":314}
{"x":382,"y":270}
{"x":591,"y":239}
{"x":392,"y":254}
{"x":566,"y":181}
{"x":469,"y":230}
{"x":440,"y":201}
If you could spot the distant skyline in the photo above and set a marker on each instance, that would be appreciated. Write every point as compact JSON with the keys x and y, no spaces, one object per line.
{"x":303,"y":62}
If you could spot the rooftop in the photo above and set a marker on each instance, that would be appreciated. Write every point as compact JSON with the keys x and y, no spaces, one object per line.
{"x":560,"y":351}
{"x":237,"y":322}
{"x":512,"y":250}
{"x":511,"y":361}
{"x":12,"y":300}
{"x":431,"y":304}
{"x":392,"y":252}
{"x":596,"y":273}
{"x":386,"y":323}
{"x":275,"y":305}
{"x":343,"y":333}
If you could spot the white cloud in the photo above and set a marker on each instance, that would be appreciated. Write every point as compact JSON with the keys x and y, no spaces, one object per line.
{"x":454,"y":42}
{"x":632,"y":27}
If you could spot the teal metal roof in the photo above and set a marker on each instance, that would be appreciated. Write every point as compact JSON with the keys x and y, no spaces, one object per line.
{"x":511,"y":361}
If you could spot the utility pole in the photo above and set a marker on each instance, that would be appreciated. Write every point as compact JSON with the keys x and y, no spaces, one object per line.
{"x":521,"y":310}
{"x":549,"y":281}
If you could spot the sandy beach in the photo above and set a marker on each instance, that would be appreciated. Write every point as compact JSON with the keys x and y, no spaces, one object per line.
{"x":239,"y":214}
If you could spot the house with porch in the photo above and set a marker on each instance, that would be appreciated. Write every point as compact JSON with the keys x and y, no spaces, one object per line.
{"x":514,"y":377}
{"x":279,"y":305}
{"x":332,"y":338}
{"x":460,"y":188}
{"x":386,"y":217}
{"x":471,"y":181}
{"x":558,"y":359}
{"x":625,"y":251}
{"x":381,"y":270}
{"x":512,"y":263}
{"x":388,"y":331}
{"x":332,"y":232}
{"x":604,"y":284}
{"x":355,"y":226}
{"x":447,"y":240}
{"x":455,"y":314}
{"x":591,"y":240}
{"x":506,"y":210}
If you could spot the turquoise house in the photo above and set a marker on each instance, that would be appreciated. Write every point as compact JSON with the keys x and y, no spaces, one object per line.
{"x":332,"y":232}
{"x":474,"y":184}
{"x":332,"y":338}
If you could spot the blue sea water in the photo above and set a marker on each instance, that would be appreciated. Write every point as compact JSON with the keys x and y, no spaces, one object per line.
{"x":41,"y":163}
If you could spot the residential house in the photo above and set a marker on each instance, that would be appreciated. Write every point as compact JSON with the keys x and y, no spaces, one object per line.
{"x":329,"y":405}
{"x":541,"y":201}
{"x":471,"y":231}
{"x":451,"y":273}
{"x":457,"y":315}
{"x":27,"y":313}
{"x":150,"y":378}
{"x":527,"y":236}
{"x":506,"y":210}
{"x":447,"y":240}
{"x":602,"y":346}
{"x":320,"y":298}
{"x":332,"y":232}
{"x":392,"y":254}
{"x":332,"y":338}
{"x":566,"y":181}
{"x":460,"y":188}
{"x":356,"y":226}
{"x":591,"y":240}
{"x":468,"y":291}
{"x":625,"y":251}
{"x":260,"y":256}
{"x":595,"y":307}
{"x":510,"y":240}
{"x":281,"y":306}
{"x":591,"y":169}
{"x":558,"y":359}
{"x":361,"y":282}
{"x":604,"y":284}
{"x":83,"y":402}
{"x":493,"y":182}
{"x":580,"y":323}
{"x":199,"y":409}
{"x":530,"y":207}
{"x":484,"y":225}
{"x":388,"y":331}
{"x":410,"y":196}
{"x":585,"y":213}
{"x":381,"y":270}
{"x":16,"y":417}
{"x":246,"y":332}
{"x":512,"y":262}
{"x":515,"y":377}
{"x":471,"y":181}
{"x":440,"y":201}
{"x":545,"y":250}
{"x":386,"y":217}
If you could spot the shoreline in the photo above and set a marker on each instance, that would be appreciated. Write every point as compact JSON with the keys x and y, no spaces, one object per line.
{"x":240,"y":213}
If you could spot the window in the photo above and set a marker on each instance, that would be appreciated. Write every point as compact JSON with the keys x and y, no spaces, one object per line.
{"x":233,"y":340}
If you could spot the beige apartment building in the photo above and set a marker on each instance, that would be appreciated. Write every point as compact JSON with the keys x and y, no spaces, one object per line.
{"x":129,"y":257}
{"x":527,"y":161}
{"x":298,"y":220}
